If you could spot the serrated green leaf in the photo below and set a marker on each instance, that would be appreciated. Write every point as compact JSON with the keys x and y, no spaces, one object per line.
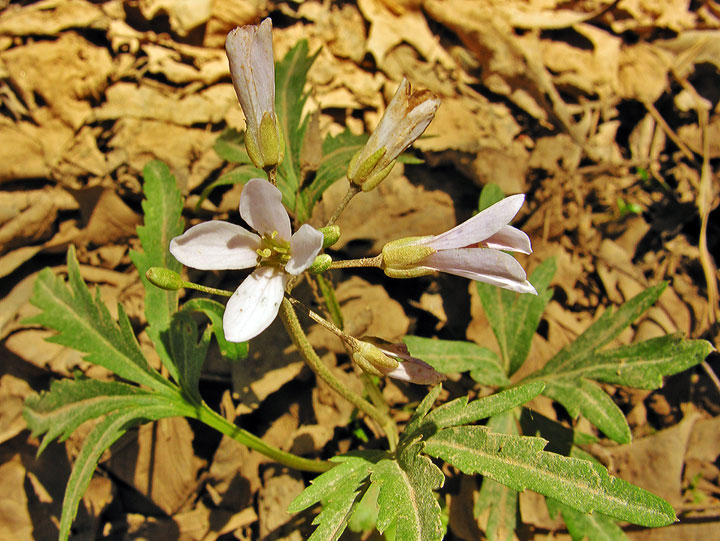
{"x":570,"y":373}
{"x":181,"y":342}
{"x":339,"y":489}
{"x":233,"y":351}
{"x":163,"y":221}
{"x":607,"y":327}
{"x":514,"y":317}
{"x":643,"y":365}
{"x":579,"y":395}
{"x":580,"y":525}
{"x":458,"y":412}
{"x":451,"y":356}
{"x":337,"y":151}
{"x":406,"y":498}
{"x":84,"y":324}
{"x":101,"y":438}
{"x":69,"y":403}
{"x":239,"y":175}
{"x":501,"y":501}
{"x":420,"y":412}
{"x":290,"y":98}
{"x":520,"y":463}
{"x":230,"y":146}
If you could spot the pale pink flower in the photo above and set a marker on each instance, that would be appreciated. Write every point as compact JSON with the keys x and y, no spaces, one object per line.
{"x":473,"y":249}
{"x":275,"y":254}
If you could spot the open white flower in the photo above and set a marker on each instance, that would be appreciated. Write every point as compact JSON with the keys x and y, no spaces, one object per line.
{"x":252,"y":67}
{"x":472,"y":249}
{"x":405,"y":119}
{"x":277,"y":255}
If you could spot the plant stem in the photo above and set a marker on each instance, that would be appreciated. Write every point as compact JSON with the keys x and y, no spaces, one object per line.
{"x":354,"y":263}
{"x":213,"y":419}
{"x":205,"y":289}
{"x":295,"y":330}
{"x":353,"y":190}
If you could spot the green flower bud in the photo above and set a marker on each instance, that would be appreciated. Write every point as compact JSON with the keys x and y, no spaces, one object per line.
{"x":320,"y":264}
{"x":331,"y":234}
{"x":164,"y":278}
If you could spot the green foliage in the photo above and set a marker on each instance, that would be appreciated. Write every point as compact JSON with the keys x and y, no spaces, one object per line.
{"x":230,"y":146}
{"x":514,"y":317}
{"x":337,"y":152}
{"x":181,"y":342}
{"x":162,"y":209}
{"x":500,"y":500}
{"x":571,"y":374}
{"x":290,"y":98}
{"x":84,"y":323}
{"x":453,"y":356}
{"x":233,"y":351}
{"x":520,"y":463}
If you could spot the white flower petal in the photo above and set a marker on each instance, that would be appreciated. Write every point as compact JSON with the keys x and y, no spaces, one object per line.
{"x":480,"y":227}
{"x":511,"y":239}
{"x":261,"y":207}
{"x":216,"y":245}
{"x":305,"y":245}
{"x":254,"y":305}
{"x":252,"y":67}
{"x":484,"y":265}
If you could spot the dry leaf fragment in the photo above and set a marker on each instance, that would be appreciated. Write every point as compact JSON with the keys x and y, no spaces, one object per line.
{"x":50,"y":17}
{"x":13,"y":392}
{"x":159,"y":461}
{"x":228,"y":14}
{"x":184,"y":15}
{"x":388,"y":29}
{"x":62,"y":72}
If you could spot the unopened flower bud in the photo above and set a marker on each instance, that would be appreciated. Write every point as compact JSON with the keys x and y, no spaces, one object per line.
{"x":164,"y":278}
{"x":249,"y":50}
{"x":331,"y":234}
{"x":371,"y":359}
{"x":406,"y":117}
{"x":321,"y":264}
{"x":408,"y":368}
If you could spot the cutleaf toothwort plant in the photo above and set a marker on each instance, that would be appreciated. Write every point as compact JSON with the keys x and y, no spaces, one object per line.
{"x":391,"y":489}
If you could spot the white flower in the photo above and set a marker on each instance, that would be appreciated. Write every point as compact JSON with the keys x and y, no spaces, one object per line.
{"x":219,"y":245}
{"x":250,"y":53}
{"x":405,"y":119}
{"x":471,"y":249}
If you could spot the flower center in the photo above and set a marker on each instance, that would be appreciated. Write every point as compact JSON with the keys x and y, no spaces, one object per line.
{"x":273,"y":251}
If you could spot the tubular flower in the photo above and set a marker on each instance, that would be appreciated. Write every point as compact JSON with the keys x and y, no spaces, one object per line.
{"x":406,"y":117}
{"x":471,"y":249}
{"x":379,"y":357}
{"x":275,"y":254}
{"x":249,"y":50}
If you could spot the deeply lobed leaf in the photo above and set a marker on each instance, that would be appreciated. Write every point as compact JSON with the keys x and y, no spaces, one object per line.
{"x":520,"y":463}
{"x":84,"y":323}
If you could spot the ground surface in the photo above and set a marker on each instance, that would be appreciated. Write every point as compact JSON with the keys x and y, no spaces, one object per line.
{"x":604,"y":113}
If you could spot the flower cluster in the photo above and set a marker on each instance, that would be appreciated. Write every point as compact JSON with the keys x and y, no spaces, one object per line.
{"x":474,"y":249}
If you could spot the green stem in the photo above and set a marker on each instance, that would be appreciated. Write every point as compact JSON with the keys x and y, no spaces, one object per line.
{"x":205,"y":289}
{"x":354,"y":263}
{"x":213,"y":419}
{"x":295,"y":330}
{"x":353,"y":190}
